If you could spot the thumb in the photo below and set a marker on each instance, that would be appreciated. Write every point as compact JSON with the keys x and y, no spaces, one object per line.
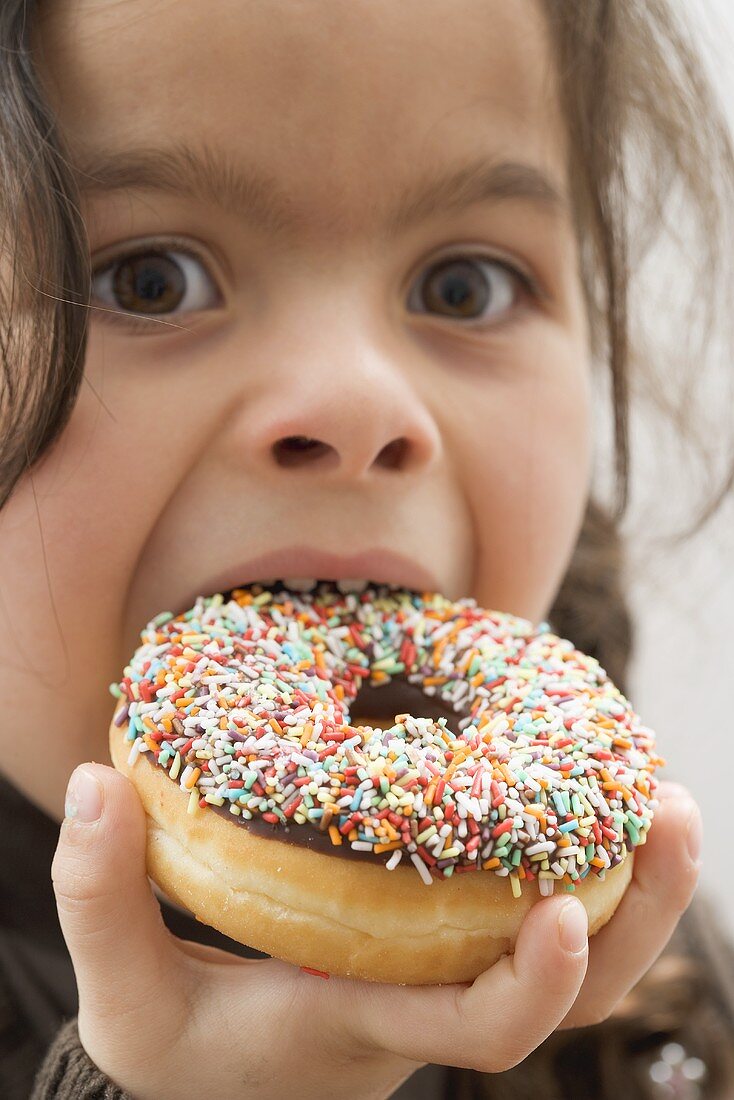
{"x":494,"y":1022}
{"x":122,"y":952}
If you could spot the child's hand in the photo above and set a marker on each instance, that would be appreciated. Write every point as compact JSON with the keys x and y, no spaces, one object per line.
{"x":165,"y":1017}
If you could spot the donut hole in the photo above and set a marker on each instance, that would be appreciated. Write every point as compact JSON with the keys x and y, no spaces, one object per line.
{"x":377,"y":705}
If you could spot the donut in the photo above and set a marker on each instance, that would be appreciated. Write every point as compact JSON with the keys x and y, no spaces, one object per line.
{"x":406,"y":850}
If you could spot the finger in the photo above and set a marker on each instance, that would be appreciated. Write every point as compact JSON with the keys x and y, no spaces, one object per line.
{"x":663,"y":882}
{"x":496,"y":1021}
{"x":121,"y":950}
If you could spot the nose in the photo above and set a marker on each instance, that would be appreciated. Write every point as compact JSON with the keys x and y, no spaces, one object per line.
{"x":342,"y":416}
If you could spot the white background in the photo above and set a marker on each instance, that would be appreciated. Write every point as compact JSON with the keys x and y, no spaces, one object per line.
{"x":683,"y":673}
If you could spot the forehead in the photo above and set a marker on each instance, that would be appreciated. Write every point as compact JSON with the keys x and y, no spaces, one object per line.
{"x":338,"y":102}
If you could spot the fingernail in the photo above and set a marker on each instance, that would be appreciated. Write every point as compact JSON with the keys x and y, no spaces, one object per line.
{"x":83,"y":796}
{"x":694,"y":836}
{"x":573,"y":925}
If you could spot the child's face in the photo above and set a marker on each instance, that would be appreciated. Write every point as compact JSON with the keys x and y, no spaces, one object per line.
{"x":449,"y":402}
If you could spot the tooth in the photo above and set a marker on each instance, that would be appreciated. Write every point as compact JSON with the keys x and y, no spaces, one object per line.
{"x":300,"y":584}
{"x":351,"y":585}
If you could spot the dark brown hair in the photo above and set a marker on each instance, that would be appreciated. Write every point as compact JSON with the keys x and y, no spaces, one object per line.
{"x":44,"y":262}
{"x":645,"y":130}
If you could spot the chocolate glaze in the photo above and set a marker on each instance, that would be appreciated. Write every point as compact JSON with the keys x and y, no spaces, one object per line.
{"x":383,"y":701}
{"x":305,"y":836}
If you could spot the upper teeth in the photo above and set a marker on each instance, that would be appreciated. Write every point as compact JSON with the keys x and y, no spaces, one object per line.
{"x":351,"y":585}
{"x":306,"y":584}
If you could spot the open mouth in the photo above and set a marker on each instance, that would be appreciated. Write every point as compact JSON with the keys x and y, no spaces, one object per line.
{"x":302,"y":586}
{"x":307,"y":585}
{"x":302,"y":569}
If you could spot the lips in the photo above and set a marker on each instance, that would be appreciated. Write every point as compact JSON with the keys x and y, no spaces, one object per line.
{"x":301,"y":566}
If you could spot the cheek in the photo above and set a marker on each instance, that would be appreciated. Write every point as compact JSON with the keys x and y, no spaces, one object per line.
{"x":526,"y":467}
{"x":68,"y":538}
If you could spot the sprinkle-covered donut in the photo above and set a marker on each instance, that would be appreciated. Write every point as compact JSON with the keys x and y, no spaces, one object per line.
{"x":245,"y":704}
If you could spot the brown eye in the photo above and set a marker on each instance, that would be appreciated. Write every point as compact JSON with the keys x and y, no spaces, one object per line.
{"x":154,"y":283}
{"x":476,"y":289}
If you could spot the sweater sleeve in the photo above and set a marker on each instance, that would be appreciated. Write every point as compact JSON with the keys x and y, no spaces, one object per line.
{"x":68,"y":1073}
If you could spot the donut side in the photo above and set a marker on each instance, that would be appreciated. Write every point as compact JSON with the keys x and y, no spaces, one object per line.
{"x":344,"y":917}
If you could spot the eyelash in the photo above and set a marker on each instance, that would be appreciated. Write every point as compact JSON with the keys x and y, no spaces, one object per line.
{"x":526,"y":282}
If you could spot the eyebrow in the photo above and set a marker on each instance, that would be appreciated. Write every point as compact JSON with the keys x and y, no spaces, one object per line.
{"x":209,"y":175}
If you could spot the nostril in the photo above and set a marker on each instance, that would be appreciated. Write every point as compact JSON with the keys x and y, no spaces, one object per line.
{"x":303,"y":450}
{"x":393,"y":455}
{"x":298,"y":443}
{"x":297,"y":450}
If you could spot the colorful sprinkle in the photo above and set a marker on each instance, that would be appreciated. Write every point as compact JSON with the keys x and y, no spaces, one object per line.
{"x":245,"y":702}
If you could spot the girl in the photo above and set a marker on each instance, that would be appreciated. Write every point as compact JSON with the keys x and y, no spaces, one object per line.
{"x":328,"y":274}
